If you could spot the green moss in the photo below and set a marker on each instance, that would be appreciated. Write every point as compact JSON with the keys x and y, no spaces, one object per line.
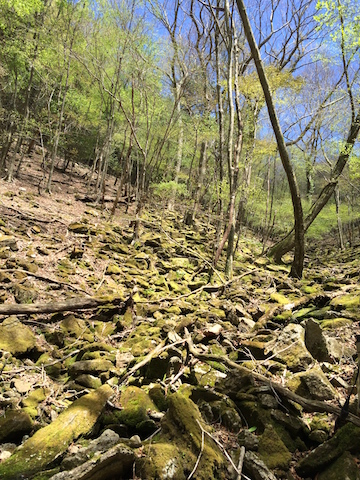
{"x":51,"y":441}
{"x":136,"y":403}
{"x":166,"y":462}
{"x":279,"y":298}
{"x":273,"y":451}
{"x":346,"y":301}
{"x":335,"y":323}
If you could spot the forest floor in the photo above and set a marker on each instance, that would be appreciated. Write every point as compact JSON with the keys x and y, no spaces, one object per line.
{"x":193,"y":376}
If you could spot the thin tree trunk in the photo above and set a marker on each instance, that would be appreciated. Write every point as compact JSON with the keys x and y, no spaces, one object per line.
{"x":298,"y":262}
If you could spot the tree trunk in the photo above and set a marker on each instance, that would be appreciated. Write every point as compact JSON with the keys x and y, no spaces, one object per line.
{"x":287,"y":244}
{"x":298,"y":262}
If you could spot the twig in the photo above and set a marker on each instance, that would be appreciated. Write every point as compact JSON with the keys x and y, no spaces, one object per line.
{"x":240,"y":463}
{"x":220,"y":446}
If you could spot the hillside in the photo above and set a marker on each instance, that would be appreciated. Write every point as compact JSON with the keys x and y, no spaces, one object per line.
{"x":122,"y":357}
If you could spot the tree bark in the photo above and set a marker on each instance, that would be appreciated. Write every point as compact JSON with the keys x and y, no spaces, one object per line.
{"x":287,"y":244}
{"x":298,"y":262}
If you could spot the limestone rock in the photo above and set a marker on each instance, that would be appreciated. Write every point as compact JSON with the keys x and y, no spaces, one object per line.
{"x":14,"y":424}
{"x":312,"y":384}
{"x":15,"y":337}
{"x":291,"y":350}
{"x":345,"y":439}
{"x":315,"y":341}
{"x":256,"y":468}
{"x":49,"y":442}
{"x":345,"y":468}
{"x":114,"y":463}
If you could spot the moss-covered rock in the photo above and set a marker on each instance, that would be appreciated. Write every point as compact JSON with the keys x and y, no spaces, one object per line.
{"x":345,"y":439}
{"x":14,"y":424}
{"x":273,"y":451}
{"x":32,"y":401}
{"x":136,"y":404}
{"x":312,"y":384}
{"x":15,"y":337}
{"x":176,"y":449}
{"x":345,"y":468}
{"x":51,"y":441}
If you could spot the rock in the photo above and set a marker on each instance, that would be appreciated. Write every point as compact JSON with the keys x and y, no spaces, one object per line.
{"x":312,"y":384}
{"x":32,"y":401}
{"x":345,"y":439}
{"x":273,"y":451}
{"x":136,"y":403}
{"x":51,"y":441}
{"x":88,"y":381}
{"x":23,"y":293}
{"x":15,"y":337}
{"x":78,"y":227}
{"x":14,"y":424}
{"x":113,"y":269}
{"x":95,"y":366}
{"x":106,"y":440}
{"x":249,"y":440}
{"x":316,"y":342}
{"x":345,"y":468}
{"x":256,"y":468}
{"x":114,"y":463}
{"x":6,"y":450}
{"x":291,"y":350}
{"x":177,"y":447}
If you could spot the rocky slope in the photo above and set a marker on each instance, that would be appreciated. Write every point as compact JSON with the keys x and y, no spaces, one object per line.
{"x":122,"y":358}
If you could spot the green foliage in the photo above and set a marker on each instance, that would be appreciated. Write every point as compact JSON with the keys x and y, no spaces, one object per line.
{"x":166,"y":189}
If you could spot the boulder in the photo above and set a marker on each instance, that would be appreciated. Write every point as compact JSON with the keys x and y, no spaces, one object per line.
{"x":15,"y":337}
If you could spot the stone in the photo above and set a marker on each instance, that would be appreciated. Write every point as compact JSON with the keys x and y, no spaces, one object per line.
{"x":77,"y":227}
{"x":107,"y":440}
{"x":116,"y":462}
{"x":345,"y":439}
{"x":15,"y":337}
{"x":48,"y":443}
{"x":90,"y":366}
{"x":14,"y":424}
{"x":255,"y":468}
{"x":88,"y":381}
{"x":291,"y":349}
{"x":315,"y":341}
{"x":273,"y":451}
{"x":345,"y":468}
{"x":312,"y":384}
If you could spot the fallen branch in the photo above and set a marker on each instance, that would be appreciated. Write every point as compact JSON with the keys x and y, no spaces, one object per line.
{"x":307,"y":404}
{"x":67,"y":305}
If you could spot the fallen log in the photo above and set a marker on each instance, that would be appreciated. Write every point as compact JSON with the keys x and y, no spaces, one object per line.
{"x":70,"y":305}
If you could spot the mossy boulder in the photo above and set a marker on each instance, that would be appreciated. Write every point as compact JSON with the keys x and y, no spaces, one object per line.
{"x":273,"y":451}
{"x":14,"y":424}
{"x":347,"y":439}
{"x":291,"y":350}
{"x":51,"y":441}
{"x":345,"y":468}
{"x":32,"y":401}
{"x":15,"y":337}
{"x":312,"y":384}
{"x":346,"y":302}
{"x":176,"y":449}
{"x":136,"y":404}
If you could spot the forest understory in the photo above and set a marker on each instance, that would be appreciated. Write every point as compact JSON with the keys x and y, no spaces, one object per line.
{"x":121,"y":357}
